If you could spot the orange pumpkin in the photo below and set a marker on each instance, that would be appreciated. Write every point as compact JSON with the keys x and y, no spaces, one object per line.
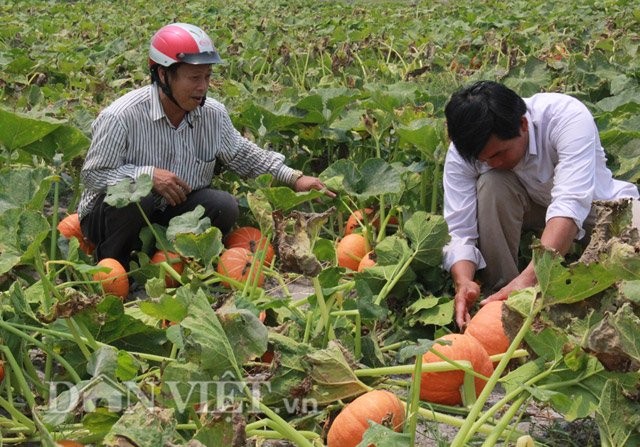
{"x":68,"y":443}
{"x":176,"y":264}
{"x":349,"y":426}
{"x":350,"y":250}
{"x":444,"y":387}
{"x":268,"y":356}
{"x":356,"y":219}
{"x":486,"y":327}
{"x":252,"y":239}
{"x":70,"y":227}
{"x":368,"y":260}
{"x":166,"y":323}
{"x":114,"y":282}
{"x":236,"y":263}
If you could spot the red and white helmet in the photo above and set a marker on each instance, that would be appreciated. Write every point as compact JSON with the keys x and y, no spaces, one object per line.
{"x":182,"y":42}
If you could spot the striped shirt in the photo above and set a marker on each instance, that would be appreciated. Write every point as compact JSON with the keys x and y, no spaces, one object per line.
{"x":133,"y":136}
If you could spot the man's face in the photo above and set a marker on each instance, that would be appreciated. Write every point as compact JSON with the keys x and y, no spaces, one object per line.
{"x":189,"y":85}
{"x":506,"y":154}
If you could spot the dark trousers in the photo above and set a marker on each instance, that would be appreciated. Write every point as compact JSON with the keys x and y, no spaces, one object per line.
{"x":115,"y":231}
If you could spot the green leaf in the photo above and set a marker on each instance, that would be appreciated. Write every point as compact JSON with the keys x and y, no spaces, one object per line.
{"x":326,"y":104}
{"x":333,"y":377}
{"x":129,"y":191}
{"x":284,"y":198}
{"x":24,"y":188}
{"x":110,"y":324}
{"x":623,"y":261}
{"x":522,"y":300}
{"x":189,"y":222}
{"x":379,"y":275}
{"x":167,"y":308}
{"x":20,"y":300}
{"x":428,"y":234}
{"x":9,"y":258}
{"x":420,"y":133}
{"x":547,"y":344}
{"x":392,"y":250}
{"x":372,"y":355}
{"x":627,"y":98}
{"x":262,"y":211}
{"x":128,"y":366}
{"x":61,"y":404}
{"x":204,"y":247}
{"x":583,"y":386}
{"x":43,"y":138}
{"x":382,"y":436}
{"x":631,"y":291}
{"x":324,"y":250}
{"x":616,"y":338}
{"x":155,"y":287}
{"x":290,"y":375}
{"x":22,"y":233}
{"x":558,"y":399}
{"x":618,"y":418}
{"x":103,"y":362}
{"x":417,"y":350}
{"x":245,"y":332}
{"x":228,"y":431}
{"x":143,"y":426}
{"x":365,"y":302}
{"x":185,"y":384}
{"x":430,"y":311}
{"x":559,"y":284}
{"x":100,"y":421}
{"x":263,"y":121}
{"x":372,"y":178}
{"x":206,"y":341}
{"x":516,"y":378}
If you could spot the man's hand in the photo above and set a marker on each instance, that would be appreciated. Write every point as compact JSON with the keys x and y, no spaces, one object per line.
{"x":558,"y":235}
{"x":525,"y":279}
{"x":467,"y":290}
{"x":466,"y":294}
{"x":170,"y":186}
{"x":307,"y":183}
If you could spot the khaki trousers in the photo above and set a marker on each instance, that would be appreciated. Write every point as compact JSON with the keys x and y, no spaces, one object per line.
{"x":505,"y":211}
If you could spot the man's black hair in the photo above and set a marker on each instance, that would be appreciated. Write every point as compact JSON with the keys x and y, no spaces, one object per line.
{"x":480,"y":110}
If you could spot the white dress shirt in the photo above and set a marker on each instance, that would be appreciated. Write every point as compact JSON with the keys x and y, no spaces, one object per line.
{"x":564,"y":169}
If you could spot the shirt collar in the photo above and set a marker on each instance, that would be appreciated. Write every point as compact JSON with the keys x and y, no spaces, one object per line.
{"x":533,"y":148}
{"x":157,"y":112}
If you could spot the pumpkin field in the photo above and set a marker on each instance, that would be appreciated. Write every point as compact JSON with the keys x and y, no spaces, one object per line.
{"x":317,"y":321}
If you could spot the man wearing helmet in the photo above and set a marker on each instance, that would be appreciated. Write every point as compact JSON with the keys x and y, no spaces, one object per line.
{"x":171,"y":131}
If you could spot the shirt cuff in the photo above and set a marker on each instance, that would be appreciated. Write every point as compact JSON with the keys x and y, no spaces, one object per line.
{"x":453,"y":253}
{"x":140,"y":170}
{"x":289,"y":176}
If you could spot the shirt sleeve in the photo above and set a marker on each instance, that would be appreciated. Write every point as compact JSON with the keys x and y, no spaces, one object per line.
{"x":105,"y":163}
{"x":460,"y":210}
{"x":575,"y":136}
{"x":248,"y":159}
